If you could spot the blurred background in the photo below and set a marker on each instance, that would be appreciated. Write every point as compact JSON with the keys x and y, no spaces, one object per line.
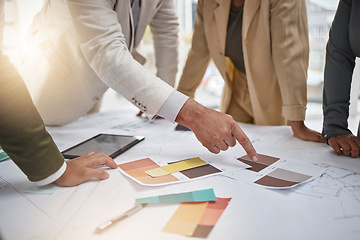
{"x":19,"y":14}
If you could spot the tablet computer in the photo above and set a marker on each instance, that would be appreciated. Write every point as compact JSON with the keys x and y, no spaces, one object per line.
{"x":110,"y":144}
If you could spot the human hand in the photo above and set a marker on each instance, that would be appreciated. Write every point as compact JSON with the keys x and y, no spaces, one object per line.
{"x":81,"y":169}
{"x":215,"y":130}
{"x":346,"y":144}
{"x":302,"y":132}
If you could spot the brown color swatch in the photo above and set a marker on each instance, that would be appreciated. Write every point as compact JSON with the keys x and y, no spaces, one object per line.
{"x":264,"y":159}
{"x":289,"y":175}
{"x":255,"y":167}
{"x":200,"y":171}
{"x":274,"y":182}
{"x":202,"y":231}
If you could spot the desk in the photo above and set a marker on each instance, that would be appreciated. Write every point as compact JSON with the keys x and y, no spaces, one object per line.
{"x":326,"y":208}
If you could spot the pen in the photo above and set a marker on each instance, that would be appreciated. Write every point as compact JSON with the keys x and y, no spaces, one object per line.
{"x":111,"y":222}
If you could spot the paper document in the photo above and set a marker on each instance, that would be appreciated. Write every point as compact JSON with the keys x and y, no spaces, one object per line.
{"x":272,"y":172}
{"x":176,"y":167}
{"x":137,"y":170}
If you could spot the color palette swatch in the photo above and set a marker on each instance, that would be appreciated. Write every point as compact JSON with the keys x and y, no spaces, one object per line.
{"x":200,"y":171}
{"x":264,"y":162}
{"x":3,"y":155}
{"x":196,"y":219}
{"x":275,"y":173}
{"x":195,"y":196}
{"x":137,"y":170}
{"x":176,"y":167}
{"x":282,"y":178}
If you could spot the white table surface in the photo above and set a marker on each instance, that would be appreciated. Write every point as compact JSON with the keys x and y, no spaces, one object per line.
{"x":326,"y":208}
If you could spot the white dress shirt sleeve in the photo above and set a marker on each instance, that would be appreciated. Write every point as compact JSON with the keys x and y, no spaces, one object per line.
{"x":172,"y":106}
{"x":53,"y":177}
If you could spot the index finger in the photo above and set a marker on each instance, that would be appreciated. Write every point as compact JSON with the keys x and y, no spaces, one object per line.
{"x":102,"y":159}
{"x":241,"y":137}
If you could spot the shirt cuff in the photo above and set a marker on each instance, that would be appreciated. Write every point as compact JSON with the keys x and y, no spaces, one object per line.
{"x":172,"y":106}
{"x":53,"y":177}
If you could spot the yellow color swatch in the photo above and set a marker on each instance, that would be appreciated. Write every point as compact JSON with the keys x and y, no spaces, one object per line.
{"x":186,"y":218}
{"x":176,"y":167}
{"x":157,"y":172}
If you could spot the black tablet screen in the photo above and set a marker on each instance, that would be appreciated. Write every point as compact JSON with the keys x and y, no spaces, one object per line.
{"x":111,"y":145}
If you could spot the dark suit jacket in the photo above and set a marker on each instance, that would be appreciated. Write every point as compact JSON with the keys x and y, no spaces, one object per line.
{"x":341,"y":50}
{"x":22,"y":132}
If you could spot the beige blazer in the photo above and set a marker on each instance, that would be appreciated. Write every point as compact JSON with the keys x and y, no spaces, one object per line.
{"x":77,"y":49}
{"x":276,"y":50}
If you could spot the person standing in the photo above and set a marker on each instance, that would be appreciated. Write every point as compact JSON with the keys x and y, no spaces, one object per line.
{"x":59,"y":69}
{"x":341,"y":51}
{"x":261,"y":50}
{"x":79,"y":48}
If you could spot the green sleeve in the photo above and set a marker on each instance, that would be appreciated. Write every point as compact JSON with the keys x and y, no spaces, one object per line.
{"x":22,"y":132}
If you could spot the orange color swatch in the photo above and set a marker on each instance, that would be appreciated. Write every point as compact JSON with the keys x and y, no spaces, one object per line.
{"x":136,"y":169}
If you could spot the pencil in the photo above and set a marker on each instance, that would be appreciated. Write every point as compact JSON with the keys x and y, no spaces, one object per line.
{"x":126,"y":214}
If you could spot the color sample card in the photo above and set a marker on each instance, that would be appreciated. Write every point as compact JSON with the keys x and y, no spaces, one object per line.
{"x":186,"y":218}
{"x":264,"y":161}
{"x":282,"y":178}
{"x":157,"y":172}
{"x":176,"y":167}
{"x":200,"y":171}
{"x":196,"y":219}
{"x":272,"y":172}
{"x":3,"y":155}
{"x":212,"y":214}
{"x":137,"y":170}
{"x":195,"y":196}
